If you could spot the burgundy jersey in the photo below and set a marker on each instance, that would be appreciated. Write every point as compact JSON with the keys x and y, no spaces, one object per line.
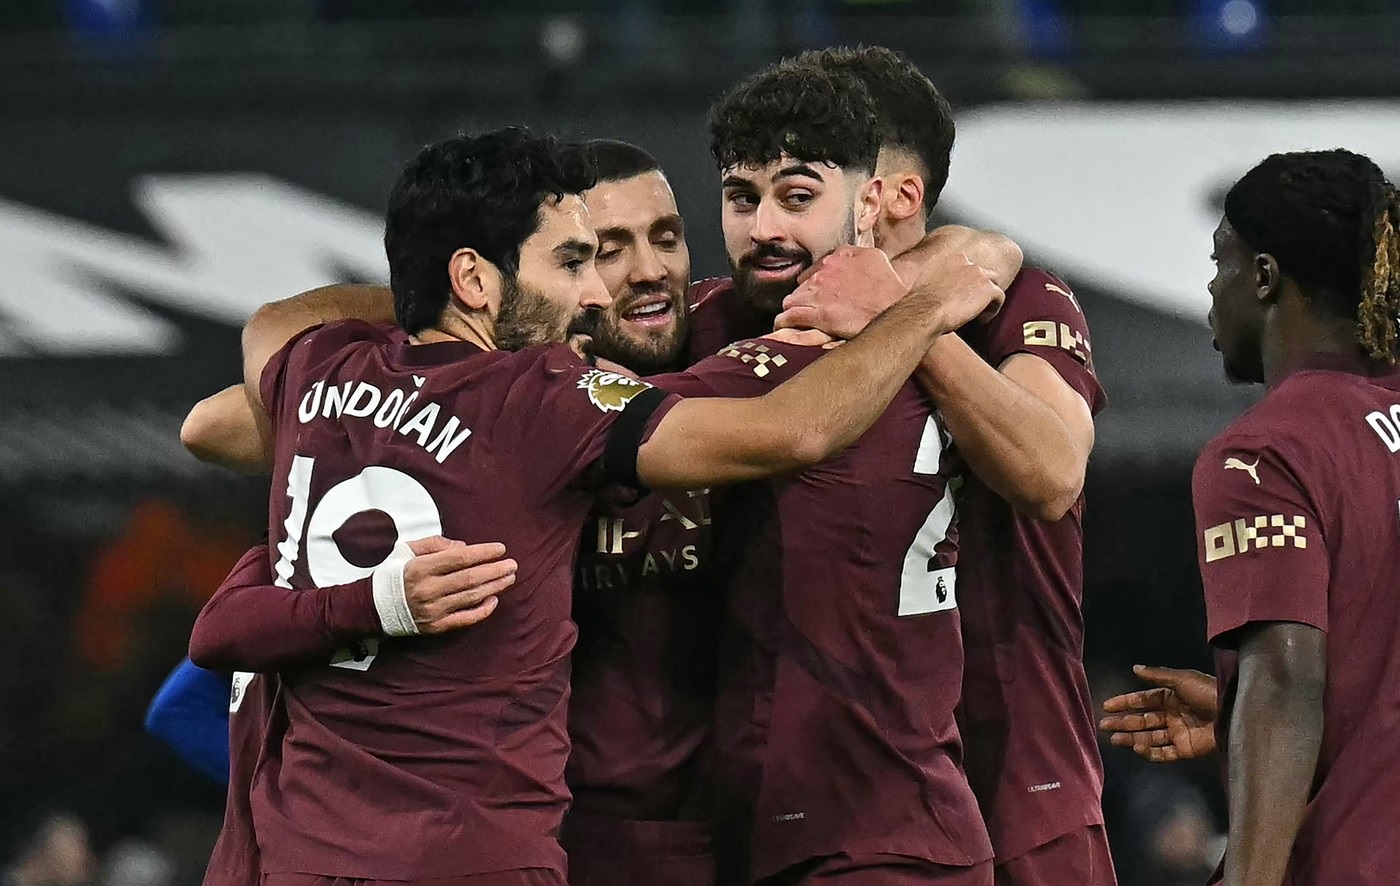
{"x":648,"y":614}
{"x":234,"y":861}
{"x":842,"y":657}
{"x":644,"y":667}
{"x":1027,"y":717}
{"x":718,"y":317}
{"x":1296,"y":512}
{"x":428,"y":756}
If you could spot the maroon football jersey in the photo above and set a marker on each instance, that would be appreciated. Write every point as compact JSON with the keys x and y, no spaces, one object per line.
{"x":1023,"y":628}
{"x":842,"y":657}
{"x":234,"y":861}
{"x":718,"y":317}
{"x":1296,"y":513}
{"x":428,"y":756}
{"x":643,"y":674}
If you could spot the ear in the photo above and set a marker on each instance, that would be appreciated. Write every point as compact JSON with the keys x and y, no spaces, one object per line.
{"x":867,"y":211}
{"x":474,"y":280}
{"x":1267,"y":277}
{"x":903,"y":196}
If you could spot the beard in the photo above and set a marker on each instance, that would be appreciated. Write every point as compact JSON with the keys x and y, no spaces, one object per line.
{"x":648,"y":353}
{"x":766,"y":297}
{"x":527,"y":317}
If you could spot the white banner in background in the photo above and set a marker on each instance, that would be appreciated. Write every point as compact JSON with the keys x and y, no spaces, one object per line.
{"x":1125,"y":196}
{"x":233,"y":242}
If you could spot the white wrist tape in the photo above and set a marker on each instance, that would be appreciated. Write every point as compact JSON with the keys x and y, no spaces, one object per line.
{"x":390,"y":596}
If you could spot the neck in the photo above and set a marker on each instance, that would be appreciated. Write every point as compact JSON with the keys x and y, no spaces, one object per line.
{"x":474,"y":329}
{"x":1286,"y":343}
{"x":898,"y":237}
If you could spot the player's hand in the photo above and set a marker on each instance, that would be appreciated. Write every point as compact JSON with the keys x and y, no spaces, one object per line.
{"x":1173,"y":722}
{"x":451,"y":585}
{"x":996,"y":253}
{"x":843,"y":292}
{"x":957,"y":288}
{"x":810,"y":338}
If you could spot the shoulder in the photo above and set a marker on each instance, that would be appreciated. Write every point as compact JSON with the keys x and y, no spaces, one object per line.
{"x":707,"y":291}
{"x":766,"y":354}
{"x":559,"y":372}
{"x":1269,"y":437}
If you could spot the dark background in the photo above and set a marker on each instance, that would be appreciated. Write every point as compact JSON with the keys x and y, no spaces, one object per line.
{"x":114,"y":537}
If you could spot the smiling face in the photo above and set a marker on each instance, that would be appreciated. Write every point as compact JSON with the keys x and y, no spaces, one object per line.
{"x":1236,"y":310}
{"x":645,"y":263}
{"x":780,"y":218}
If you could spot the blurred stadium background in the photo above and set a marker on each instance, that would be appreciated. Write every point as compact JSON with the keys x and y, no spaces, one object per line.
{"x":166,"y":167}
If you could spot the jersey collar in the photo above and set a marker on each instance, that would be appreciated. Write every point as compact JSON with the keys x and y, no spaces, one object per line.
{"x":436,"y":353}
{"x":1327,"y":361}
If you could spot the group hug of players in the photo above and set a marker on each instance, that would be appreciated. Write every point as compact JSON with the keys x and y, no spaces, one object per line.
{"x":577,"y":572}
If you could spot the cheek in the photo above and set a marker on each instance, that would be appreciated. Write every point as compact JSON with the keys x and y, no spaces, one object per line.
{"x":614,"y":276}
{"x":736,"y":228}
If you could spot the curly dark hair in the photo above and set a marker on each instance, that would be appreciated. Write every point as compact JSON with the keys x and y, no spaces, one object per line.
{"x":810,"y":114}
{"x":482,"y":192}
{"x":914,"y":115}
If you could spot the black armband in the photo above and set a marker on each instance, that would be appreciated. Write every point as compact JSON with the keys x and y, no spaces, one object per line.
{"x":625,"y":437}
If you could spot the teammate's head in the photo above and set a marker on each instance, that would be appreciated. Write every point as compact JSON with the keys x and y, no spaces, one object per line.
{"x":916,"y":119}
{"x":494,"y":227}
{"x":1313,"y":234}
{"x":642,"y":258}
{"x":796,"y":148}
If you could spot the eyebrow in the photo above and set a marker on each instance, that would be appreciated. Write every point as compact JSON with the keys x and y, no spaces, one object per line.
{"x":799,"y":169}
{"x":574,"y":248}
{"x":671,"y":222}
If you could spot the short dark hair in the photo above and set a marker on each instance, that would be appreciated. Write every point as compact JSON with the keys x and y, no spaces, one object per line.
{"x":481,"y":192}
{"x":617,"y":160}
{"x":913,"y":114}
{"x":1332,"y":222}
{"x":811,"y":114}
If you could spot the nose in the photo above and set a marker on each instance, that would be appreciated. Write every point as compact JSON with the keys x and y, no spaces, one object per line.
{"x":595,"y":292}
{"x":648,"y":268}
{"x":767,"y":223}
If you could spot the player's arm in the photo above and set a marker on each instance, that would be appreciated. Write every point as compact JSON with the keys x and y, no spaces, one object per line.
{"x":1174,"y":721}
{"x":429,"y":586}
{"x":996,"y":414}
{"x":1022,"y":429}
{"x":231,"y":429}
{"x":190,"y":714}
{"x":226,"y":430}
{"x":1266,"y":572}
{"x":276,"y":323}
{"x":1274,"y":741}
{"x":827,"y":405}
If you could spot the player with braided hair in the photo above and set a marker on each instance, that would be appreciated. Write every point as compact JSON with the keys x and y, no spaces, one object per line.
{"x":1296,"y":504}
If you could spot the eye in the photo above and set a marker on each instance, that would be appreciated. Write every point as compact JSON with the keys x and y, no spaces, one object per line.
{"x":742,"y":201}
{"x":669,"y":242}
{"x":799,"y":198}
{"x":574,"y":265}
{"x":609,"y":252}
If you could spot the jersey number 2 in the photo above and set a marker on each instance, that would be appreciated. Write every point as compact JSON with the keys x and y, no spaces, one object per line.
{"x":923,"y":587}
{"x":403,"y":499}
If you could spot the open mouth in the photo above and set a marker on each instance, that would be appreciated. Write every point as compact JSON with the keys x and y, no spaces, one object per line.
{"x":771,"y":268}
{"x":649,"y":311}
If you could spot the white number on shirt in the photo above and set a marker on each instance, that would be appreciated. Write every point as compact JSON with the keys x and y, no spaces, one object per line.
{"x":923,"y":587}
{"x":406,"y":502}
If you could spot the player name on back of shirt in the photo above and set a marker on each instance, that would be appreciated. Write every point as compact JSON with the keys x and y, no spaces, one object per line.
{"x":428,"y":426}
